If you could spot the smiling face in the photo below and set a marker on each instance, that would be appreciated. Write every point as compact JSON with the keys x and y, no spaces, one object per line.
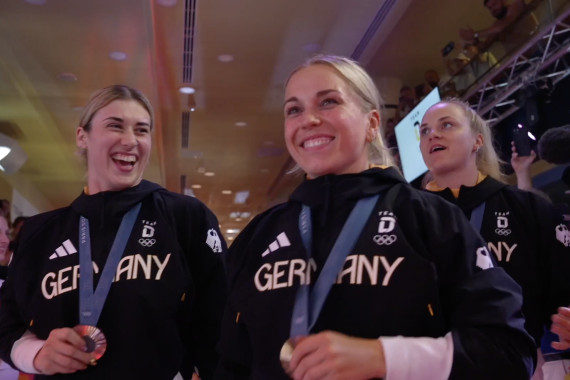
{"x":447,"y":141}
{"x":117,"y":146}
{"x":326,"y":129}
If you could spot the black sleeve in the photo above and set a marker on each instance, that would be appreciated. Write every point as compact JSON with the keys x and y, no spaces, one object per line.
{"x":554,"y":256}
{"x":197,"y":231}
{"x":235,"y":346}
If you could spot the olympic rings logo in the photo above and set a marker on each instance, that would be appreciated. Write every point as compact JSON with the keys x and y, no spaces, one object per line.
{"x":147,"y":242}
{"x":385,"y":239}
{"x":502,"y":231}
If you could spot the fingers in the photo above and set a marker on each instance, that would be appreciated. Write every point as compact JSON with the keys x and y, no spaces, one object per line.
{"x":63,"y":352}
{"x":561,"y":327}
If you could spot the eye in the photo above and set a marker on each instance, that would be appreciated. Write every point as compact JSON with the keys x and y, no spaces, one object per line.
{"x":142,"y":130}
{"x":115,"y":126}
{"x":424,"y":131}
{"x":329,"y":101}
{"x":292,"y":110}
{"x":446,"y":125}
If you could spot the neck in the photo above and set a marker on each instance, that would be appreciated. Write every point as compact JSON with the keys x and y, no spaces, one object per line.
{"x":457,"y":178}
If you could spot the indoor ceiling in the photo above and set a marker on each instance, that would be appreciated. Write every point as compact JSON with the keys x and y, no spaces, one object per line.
{"x":236,"y":54}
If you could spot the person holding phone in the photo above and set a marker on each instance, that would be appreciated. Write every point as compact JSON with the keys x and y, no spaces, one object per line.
{"x":523,"y":230}
{"x":359,"y":269}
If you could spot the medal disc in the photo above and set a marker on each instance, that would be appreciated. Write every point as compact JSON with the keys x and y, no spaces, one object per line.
{"x":286,"y":354}
{"x":94,"y":339}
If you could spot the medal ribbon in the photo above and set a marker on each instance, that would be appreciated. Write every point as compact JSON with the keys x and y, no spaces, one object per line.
{"x":308,"y":306}
{"x":476,"y":219}
{"x":90,"y":302}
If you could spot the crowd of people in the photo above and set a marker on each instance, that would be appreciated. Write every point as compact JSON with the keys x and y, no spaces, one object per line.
{"x":370,"y":277}
{"x":358,"y":275}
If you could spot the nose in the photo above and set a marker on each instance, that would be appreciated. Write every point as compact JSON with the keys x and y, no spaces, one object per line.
{"x":129,"y":137}
{"x":311,"y":120}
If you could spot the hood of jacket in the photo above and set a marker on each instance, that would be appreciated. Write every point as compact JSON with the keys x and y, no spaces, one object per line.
{"x":110,"y":206}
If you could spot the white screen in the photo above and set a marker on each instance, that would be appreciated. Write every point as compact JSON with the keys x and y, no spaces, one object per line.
{"x":408,"y":137}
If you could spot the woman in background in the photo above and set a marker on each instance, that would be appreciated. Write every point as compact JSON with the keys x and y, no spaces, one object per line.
{"x":522,"y":229}
{"x":6,"y":372}
{"x":150,"y":294}
{"x":359,"y":275}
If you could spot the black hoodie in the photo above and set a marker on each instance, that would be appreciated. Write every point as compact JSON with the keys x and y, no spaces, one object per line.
{"x":414,"y":271}
{"x":527,"y":236}
{"x":163,"y":310}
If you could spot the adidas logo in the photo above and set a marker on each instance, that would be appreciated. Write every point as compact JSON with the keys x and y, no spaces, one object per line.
{"x":281,"y":241}
{"x":66,"y":248}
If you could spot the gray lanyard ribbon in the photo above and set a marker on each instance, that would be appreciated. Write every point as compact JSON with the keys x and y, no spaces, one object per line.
{"x":91,"y":302}
{"x":308,"y":306}
{"x":476,"y":219}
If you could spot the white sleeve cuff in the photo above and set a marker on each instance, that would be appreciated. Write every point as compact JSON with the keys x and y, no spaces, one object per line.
{"x":418,"y":358}
{"x":24,"y":352}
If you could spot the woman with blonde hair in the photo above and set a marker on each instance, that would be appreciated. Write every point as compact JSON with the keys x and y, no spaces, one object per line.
{"x":523,"y":230}
{"x":359,"y":275}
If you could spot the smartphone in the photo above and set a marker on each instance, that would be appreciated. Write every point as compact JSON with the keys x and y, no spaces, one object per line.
{"x":522,"y":140}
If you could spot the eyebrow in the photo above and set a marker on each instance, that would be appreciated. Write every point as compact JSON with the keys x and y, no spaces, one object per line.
{"x":121,"y":120}
{"x":440,"y":119}
{"x":319,"y":94}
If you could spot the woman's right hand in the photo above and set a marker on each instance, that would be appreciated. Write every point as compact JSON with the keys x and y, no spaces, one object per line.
{"x":63,"y":352}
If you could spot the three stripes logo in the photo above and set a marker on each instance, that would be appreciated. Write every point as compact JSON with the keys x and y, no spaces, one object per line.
{"x":281,"y":241}
{"x":65,"y":249}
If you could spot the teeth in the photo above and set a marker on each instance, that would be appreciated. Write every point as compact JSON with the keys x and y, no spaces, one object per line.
{"x":317,"y":142}
{"x":124,"y":157}
{"x":436,"y":148}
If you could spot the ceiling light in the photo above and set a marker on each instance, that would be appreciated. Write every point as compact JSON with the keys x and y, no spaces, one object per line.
{"x":167,"y":3}
{"x":230,"y":238}
{"x":241,"y":197}
{"x":201,"y":169}
{"x":238,"y":219}
{"x":245,"y":214}
{"x":226,"y":192}
{"x":209,"y":174}
{"x":67,"y":77}
{"x":232,"y":230}
{"x":225,"y":57}
{"x":196,"y":186}
{"x":241,"y":124}
{"x":4,"y":151}
{"x":118,"y":56}
{"x":12,"y":155}
{"x":192,"y":109}
{"x":187,"y":90}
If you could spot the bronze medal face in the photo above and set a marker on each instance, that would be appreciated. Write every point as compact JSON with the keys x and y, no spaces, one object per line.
{"x":286,"y":354}
{"x":95,"y":341}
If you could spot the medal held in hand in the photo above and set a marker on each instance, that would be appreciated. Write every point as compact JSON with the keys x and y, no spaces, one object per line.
{"x":286,"y":354}
{"x":309,"y":302}
{"x":91,"y":300}
{"x":95,"y":341}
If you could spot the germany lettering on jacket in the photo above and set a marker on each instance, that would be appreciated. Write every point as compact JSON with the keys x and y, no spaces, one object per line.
{"x":130,"y":267}
{"x":358,"y":269}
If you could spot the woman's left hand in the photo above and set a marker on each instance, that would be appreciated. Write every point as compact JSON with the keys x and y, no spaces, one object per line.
{"x":561,"y":327}
{"x":334,"y":356}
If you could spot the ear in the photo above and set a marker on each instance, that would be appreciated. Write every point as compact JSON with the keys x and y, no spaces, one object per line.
{"x":81,"y":138}
{"x":373,"y":127}
{"x":478,"y":143}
